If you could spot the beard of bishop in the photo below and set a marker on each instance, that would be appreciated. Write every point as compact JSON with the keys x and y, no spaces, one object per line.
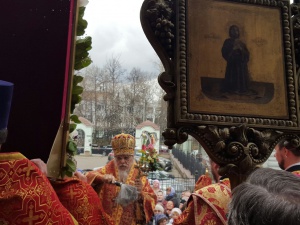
{"x":123,"y":174}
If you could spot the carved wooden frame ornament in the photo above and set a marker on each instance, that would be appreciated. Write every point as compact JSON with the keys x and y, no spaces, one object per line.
{"x":238,"y":131}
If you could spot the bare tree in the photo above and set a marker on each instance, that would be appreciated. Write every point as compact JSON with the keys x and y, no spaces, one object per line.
{"x":162,"y":108}
{"x":162,"y":111}
{"x":134,"y":93}
{"x":117,"y":101}
{"x":114,"y":72}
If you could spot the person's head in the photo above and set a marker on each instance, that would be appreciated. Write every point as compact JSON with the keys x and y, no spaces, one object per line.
{"x":182,"y":194}
{"x":169,"y":207}
{"x":160,"y":196}
{"x":199,"y":157}
{"x":234,"y":32}
{"x":156,"y":184}
{"x":268,"y":197}
{"x":159,"y":209}
{"x":184,"y":206}
{"x":287,"y":152}
{"x":160,"y":219}
{"x":175,"y":213}
{"x":6,"y":92}
{"x":187,"y":193}
{"x":170,"y":191}
{"x":123,"y":147}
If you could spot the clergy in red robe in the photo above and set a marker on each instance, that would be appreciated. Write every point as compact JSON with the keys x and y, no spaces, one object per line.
{"x":81,"y":200}
{"x":207,"y":205}
{"x":26,"y":195}
{"x":138,"y":209}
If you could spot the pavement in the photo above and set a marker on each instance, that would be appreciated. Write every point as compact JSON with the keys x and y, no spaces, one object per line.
{"x":90,"y":162}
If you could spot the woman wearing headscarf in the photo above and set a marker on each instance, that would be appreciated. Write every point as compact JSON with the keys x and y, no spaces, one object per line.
{"x":174,"y":215}
{"x":160,"y":219}
{"x":156,"y":186}
{"x":171,"y":196}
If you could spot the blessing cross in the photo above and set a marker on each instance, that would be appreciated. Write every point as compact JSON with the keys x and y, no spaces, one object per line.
{"x":31,"y":217}
{"x":28,"y":169}
{"x":71,"y":193}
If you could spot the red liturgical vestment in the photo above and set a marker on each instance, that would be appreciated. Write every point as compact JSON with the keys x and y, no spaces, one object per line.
{"x":82,"y":202}
{"x":207,"y":206}
{"x":108,"y":193}
{"x":26,"y":195}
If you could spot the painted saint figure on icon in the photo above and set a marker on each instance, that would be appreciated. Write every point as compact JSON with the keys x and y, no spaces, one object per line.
{"x":235,"y":52}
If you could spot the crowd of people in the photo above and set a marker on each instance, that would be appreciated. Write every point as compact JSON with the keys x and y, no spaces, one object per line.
{"x":169,"y":205}
{"x":119,"y":194}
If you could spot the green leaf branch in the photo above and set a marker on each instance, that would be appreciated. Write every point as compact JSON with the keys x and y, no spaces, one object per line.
{"x":82,"y":60}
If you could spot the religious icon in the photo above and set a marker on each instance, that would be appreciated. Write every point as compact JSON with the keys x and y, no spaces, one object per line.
{"x":234,"y":66}
{"x":236,"y":54}
{"x":237,"y":84}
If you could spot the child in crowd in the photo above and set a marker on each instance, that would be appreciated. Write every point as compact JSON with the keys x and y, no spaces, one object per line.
{"x":174,"y":214}
{"x":161,"y":219}
{"x":156,"y":186}
{"x":159,"y":209}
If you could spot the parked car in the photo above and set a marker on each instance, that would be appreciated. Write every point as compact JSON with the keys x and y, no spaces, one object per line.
{"x":136,"y":149}
{"x":159,"y":175}
{"x":137,"y":155}
{"x":84,"y":171}
{"x":104,"y":150}
{"x":79,"y":150}
{"x":163,"y":149}
{"x":166,"y":164}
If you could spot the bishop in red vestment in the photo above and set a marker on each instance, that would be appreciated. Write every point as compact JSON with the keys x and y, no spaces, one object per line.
{"x":138,"y":210}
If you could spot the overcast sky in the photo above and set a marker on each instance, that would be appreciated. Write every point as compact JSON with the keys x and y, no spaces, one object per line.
{"x":115,"y":28}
